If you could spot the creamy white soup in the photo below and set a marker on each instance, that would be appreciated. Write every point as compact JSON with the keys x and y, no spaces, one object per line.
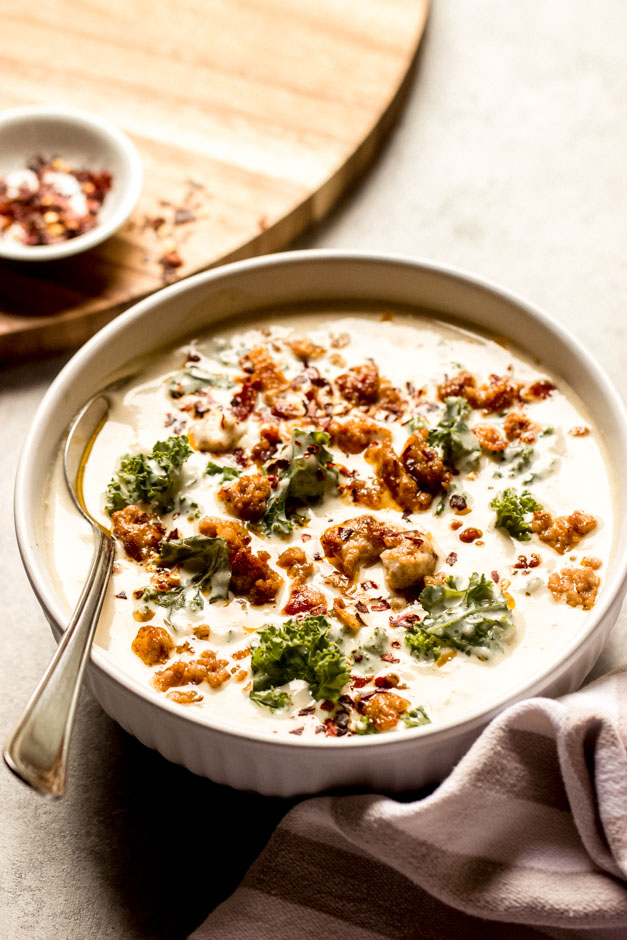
{"x":341,"y":524}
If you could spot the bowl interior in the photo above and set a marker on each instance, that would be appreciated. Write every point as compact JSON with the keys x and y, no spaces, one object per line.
{"x":285,"y":280}
{"x":83,"y":141}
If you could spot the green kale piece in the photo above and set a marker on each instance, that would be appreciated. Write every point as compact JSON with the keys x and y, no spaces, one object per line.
{"x":510,"y":508}
{"x":517,"y":458}
{"x":453,"y":436}
{"x":206,"y":559}
{"x":303,"y":483}
{"x":228,"y":473}
{"x":423,"y":645}
{"x":271,"y":698}
{"x":415,"y":422}
{"x":475,"y":619}
{"x":415,"y":717}
{"x":192,"y":379}
{"x":149,"y":478}
{"x":299,"y":649}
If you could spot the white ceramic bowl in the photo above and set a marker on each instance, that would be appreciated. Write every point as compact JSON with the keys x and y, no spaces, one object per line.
{"x":84,"y":141}
{"x":258,"y":761}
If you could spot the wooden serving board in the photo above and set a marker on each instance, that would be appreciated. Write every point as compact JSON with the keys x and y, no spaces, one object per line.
{"x":251,"y":117}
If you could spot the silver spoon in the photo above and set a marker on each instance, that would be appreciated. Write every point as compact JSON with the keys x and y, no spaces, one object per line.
{"x":38,"y":748}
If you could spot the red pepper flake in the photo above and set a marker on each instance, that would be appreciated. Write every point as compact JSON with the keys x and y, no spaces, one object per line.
{"x":379,"y":603}
{"x":50,"y":202}
{"x":330,"y":728}
{"x":358,"y":682}
{"x":327,"y":706}
{"x":390,"y":658}
{"x":319,"y":729}
{"x":309,"y":710}
{"x":170,"y":261}
{"x":122,"y":595}
{"x":495,"y":576}
{"x":305,"y":537}
{"x":181,"y":216}
{"x":451,"y":558}
{"x":395,"y":644}
{"x":298,"y":731}
{"x":407,"y":621}
{"x":369,"y":586}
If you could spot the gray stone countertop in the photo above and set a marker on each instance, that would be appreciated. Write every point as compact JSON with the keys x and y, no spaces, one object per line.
{"x":509,"y":162}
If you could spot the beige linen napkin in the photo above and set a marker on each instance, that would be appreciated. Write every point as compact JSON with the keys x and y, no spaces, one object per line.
{"x":526,"y":838}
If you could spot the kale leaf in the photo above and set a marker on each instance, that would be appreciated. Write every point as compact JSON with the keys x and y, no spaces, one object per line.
{"x":228,"y":473}
{"x":475,"y":619}
{"x":297,"y":650}
{"x":517,"y":458}
{"x":149,"y":478}
{"x":415,"y":717}
{"x":510,"y":508}
{"x":303,"y":483}
{"x":192,"y":379}
{"x":453,"y":436}
{"x":206,"y":559}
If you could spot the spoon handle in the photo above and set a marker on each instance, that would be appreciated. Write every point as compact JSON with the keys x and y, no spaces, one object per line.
{"x":37,"y":750}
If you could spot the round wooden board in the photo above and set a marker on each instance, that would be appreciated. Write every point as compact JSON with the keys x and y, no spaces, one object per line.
{"x":251,"y":117}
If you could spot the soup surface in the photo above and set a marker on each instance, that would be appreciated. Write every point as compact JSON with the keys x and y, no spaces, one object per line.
{"x":341,"y":524}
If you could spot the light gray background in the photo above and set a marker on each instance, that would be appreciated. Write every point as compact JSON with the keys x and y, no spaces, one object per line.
{"x":510,"y":162}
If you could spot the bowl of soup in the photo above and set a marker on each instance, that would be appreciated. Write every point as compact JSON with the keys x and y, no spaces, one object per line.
{"x":362,"y":504}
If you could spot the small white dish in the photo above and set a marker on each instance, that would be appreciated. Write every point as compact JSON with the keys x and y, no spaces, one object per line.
{"x":85,"y":141}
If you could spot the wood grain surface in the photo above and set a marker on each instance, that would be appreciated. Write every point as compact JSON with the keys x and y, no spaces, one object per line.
{"x":251,"y":117}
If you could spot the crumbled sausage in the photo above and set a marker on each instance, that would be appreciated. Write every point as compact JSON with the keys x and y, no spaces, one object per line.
{"x":243,"y":402}
{"x":350,"y":618}
{"x":564,"y":532}
{"x":391,"y":471}
{"x":383,"y":709}
{"x":407,"y":555}
{"x":206,"y":668}
{"x":267,"y":372}
{"x":537,"y":391}
{"x":305,"y":599}
{"x":390,"y":398}
{"x":354,"y":543}
{"x":590,"y":561}
{"x":247,"y":497}
{"x":217,"y":432}
{"x":153,"y":645}
{"x":295,"y":562}
{"x":188,"y":697}
{"x":202,"y":631}
{"x":424,"y":463}
{"x":364,"y":492}
{"x":360,"y":385}
{"x":577,"y":587}
{"x":140,"y":533}
{"x":518,"y":426}
{"x":579,"y":430}
{"x":489,"y":437}
{"x":251,"y":575}
{"x":304,"y":348}
{"x":269,"y":440}
{"x":408,"y":561}
{"x":498,"y":393}
{"x":456,"y":386}
{"x":352,"y":435}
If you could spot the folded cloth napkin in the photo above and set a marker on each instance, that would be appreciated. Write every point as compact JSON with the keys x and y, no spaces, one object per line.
{"x":526,"y":838}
